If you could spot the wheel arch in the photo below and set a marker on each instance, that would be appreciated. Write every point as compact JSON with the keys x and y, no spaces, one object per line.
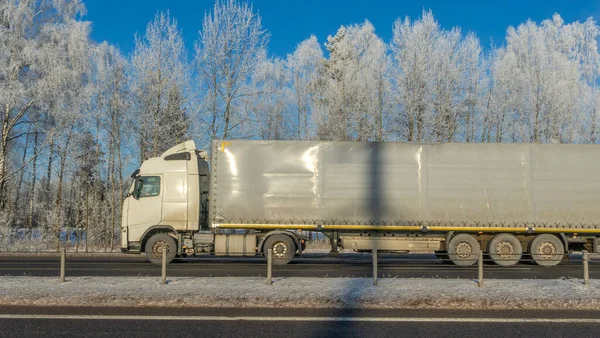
{"x":158,"y":229}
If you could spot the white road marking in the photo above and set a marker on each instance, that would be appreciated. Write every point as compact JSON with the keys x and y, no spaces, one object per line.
{"x":308,"y":319}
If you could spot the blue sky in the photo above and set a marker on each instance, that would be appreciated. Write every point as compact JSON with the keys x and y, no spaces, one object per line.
{"x":291,"y":21}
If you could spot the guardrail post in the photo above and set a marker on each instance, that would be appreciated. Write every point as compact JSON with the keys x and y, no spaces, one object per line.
{"x":480,"y":269}
{"x":164,"y":265}
{"x":375,"y":267}
{"x":270,"y":267}
{"x":586,"y":270}
{"x":63,"y":254}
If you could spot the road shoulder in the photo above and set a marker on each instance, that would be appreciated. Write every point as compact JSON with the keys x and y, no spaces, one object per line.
{"x":253,"y":292}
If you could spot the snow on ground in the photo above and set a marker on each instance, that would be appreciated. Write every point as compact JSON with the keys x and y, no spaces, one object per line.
{"x":300,"y":292}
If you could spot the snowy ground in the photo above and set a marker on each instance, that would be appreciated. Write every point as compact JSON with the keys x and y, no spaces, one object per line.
{"x":300,"y":292}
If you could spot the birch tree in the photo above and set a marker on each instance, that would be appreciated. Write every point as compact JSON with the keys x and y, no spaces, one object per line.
{"x":306,"y":66}
{"x":413,"y":46}
{"x":41,"y":41}
{"x":102,"y":183}
{"x":231,"y":44}
{"x":439,"y":79}
{"x":272,"y":106}
{"x":356,"y":86}
{"x":546,"y":67}
{"x":159,"y":79}
{"x":473,"y":81}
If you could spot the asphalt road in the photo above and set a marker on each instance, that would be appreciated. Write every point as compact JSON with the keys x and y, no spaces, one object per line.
{"x":310,"y":265}
{"x":144,"y":322}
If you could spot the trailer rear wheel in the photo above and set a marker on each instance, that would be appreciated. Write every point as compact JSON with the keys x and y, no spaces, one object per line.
{"x":547,"y":250}
{"x":505,"y":250}
{"x":463,"y":250}
{"x":154,"y":248}
{"x":283,"y":248}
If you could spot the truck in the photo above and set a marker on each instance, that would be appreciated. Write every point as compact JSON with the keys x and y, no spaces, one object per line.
{"x":508,"y":201}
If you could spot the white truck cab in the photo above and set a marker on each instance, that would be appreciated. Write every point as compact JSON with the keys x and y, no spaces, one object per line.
{"x":165,"y":196}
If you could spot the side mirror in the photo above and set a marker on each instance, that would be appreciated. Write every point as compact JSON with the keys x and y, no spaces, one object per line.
{"x":137,"y":190}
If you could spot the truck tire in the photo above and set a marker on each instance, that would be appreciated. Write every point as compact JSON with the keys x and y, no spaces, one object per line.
{"x":547,"y":250}
{"x":463,"y":250}
{"x":505,"y":250}
{"x":154,"y":247}
{"x":283,"y":248}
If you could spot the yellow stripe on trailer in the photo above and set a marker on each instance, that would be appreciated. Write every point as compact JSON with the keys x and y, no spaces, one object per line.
{"x":384,"y":228}
{"x":266,"y":226}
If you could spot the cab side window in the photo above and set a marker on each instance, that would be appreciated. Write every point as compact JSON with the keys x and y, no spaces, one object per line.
{"x":150,"y":186}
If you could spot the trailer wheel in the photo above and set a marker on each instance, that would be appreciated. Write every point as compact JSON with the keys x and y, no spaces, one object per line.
{"x":283,"y":248}
{"x":154,"y":248}
{"x":547,"y":250}
{"x":505,"y":249}
{"x":463,"y":250}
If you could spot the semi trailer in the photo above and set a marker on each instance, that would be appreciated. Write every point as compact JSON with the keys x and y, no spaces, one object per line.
{"x":452,"y":199}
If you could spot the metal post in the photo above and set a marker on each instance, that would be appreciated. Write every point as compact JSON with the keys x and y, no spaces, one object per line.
{"x":480,"y":269}
{"x":164,"y":265}
{"x":375,"y":267}
{"x":586,"y":271}
{"x":63,"y":254}
{"x":334,"y":244}
{"x":270,"y":266}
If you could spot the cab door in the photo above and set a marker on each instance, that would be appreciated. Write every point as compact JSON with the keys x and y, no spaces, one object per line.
{"x":145,"y":208}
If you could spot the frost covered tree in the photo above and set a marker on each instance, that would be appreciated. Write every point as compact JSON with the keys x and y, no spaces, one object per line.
{"x":43,"y":48}
{"x":108,"y":121}
{"x":473,"y":81}
{"x":306,"y":66}
{"x":439,"y":79}
{"x":356,"y":86}
{"x":231,"y":44}
{"x":159,"y":80}
{"x":71,"y":101}
{"x":445,"y":88}
{"x":272,"y":106}
{"x":413,"y":45}
{"x":543,"y":71}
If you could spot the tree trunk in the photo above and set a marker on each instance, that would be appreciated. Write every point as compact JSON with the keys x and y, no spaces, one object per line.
{"x":32,"y":184}
{"x":4,"y":156}
{"x":58,"y":204}
{"x":49,"y":171}
{"x":21,"y":174}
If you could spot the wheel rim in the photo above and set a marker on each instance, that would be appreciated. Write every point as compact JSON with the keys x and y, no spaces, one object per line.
{"x":546,"y":250}
{"x":505,"y":250}
{"x":463,"y":250}
{"x":279,"y":249}
{"x":157,"y":248}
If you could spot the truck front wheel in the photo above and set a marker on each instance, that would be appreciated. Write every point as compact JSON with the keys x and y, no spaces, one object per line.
{"x":154,"y":248}
{"x":283,"y":248}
